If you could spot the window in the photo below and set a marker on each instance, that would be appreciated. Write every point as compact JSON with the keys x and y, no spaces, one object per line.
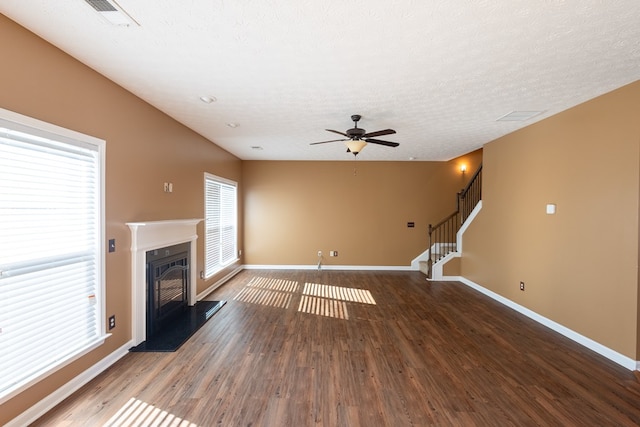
{"x":51,"y":258}
{"x":221,"y":219}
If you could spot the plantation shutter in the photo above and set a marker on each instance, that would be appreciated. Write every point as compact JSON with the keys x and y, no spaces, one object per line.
{"x":220,"y":223}
{"x":50,"y":257}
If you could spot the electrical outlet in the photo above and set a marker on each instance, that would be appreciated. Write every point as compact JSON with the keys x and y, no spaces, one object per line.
{"x":522,"y":286}
{"x":112,"y":245}
{"x":333,"y":253}
{"x":112,"y":322}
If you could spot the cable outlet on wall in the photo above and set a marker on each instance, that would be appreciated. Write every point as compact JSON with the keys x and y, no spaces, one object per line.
{"x":522,"y":286}
{"x":319,"y":253}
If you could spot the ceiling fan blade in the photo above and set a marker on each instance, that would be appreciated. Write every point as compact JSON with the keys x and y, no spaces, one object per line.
{"x":381,"y":142}
{"x":379,"y":133}
{"x":338,"y":132}
{"x":324,"y":142}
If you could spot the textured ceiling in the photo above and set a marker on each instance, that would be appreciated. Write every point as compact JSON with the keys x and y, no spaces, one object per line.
{"x":439,"y":72}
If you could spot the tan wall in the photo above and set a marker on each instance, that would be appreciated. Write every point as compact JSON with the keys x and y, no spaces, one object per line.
{"x":580,"y":266}
{"x":144,"y":149}
{"x":295,"y":209}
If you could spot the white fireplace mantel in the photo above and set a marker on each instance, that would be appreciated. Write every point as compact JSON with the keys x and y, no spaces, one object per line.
{"x":150,"y":235}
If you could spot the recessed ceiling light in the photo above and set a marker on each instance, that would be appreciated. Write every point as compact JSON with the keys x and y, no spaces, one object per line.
{"x":208,"y":99}
{"x":412,"y":158}
{"x":233,"y":125}
{"x":256,"y":147}
{"x":518,"y":116}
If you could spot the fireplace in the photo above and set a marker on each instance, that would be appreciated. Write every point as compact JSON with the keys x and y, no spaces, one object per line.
{"x":167,"y":285}
{"x":153,"y":236}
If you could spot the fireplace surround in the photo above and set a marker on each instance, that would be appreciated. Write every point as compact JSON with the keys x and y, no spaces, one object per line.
{"x":148,"y":236}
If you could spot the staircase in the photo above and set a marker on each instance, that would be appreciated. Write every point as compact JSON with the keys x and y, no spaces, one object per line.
{"x":443,"y":237}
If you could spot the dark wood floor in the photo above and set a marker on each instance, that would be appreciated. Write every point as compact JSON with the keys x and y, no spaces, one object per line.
{"x":405,"y":353}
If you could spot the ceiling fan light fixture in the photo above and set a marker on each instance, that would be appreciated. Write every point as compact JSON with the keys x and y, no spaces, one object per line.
{"x":357,"y":138}
{"x":355,"y":145}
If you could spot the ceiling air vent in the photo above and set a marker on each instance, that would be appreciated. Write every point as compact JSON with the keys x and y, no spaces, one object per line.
{"x":102,"y":5}
{"x":519,"y":116}
{"x":112,"y":12}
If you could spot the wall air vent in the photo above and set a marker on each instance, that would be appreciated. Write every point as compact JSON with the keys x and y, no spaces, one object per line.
{"x":112,"y":12}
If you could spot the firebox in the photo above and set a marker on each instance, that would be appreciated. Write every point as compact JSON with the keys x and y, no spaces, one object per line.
{"x":167,"y":285}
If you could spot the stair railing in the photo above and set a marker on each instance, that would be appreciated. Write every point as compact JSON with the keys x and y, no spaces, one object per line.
{"x":443,"y":235}
{"x":470,"y":196}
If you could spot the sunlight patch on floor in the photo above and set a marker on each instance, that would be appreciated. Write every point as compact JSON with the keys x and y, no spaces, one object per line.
{"x":329,"y":300}
{"x":271,"y":292}
{"x":323,"y":307}
{"x":316,"y":298}
{"x":264,"y":297}
{"x":274,"y":284}
{"x":138,"y":413}
{"x":339,"y":293}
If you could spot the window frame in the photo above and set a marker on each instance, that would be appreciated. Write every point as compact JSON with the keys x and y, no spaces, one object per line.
{"x":15,"y":121}
{"x":210,"y":271}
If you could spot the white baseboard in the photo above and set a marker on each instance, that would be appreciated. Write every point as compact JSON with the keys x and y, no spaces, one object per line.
{"x":218,"y":283}
{"x":446,"y":279}
{"x":329,"y":267}
{"x":49,"y":402}
{"x":610,"y":354}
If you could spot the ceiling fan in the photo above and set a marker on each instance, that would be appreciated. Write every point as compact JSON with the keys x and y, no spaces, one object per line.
{"x":356,"y":138}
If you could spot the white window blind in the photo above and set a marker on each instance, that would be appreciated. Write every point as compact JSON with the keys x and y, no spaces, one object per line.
{"x":51,"y":287}
{"x":220,"y":223}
